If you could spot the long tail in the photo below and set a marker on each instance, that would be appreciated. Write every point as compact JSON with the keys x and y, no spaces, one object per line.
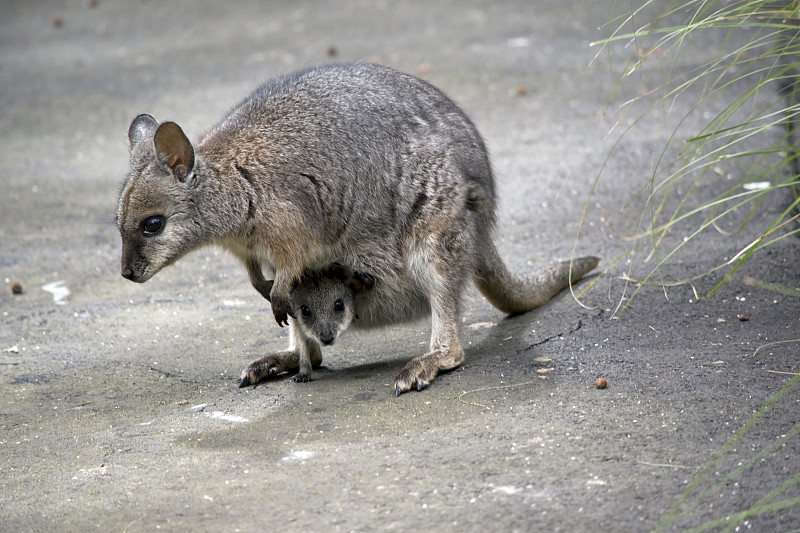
{"x":513,"y":294}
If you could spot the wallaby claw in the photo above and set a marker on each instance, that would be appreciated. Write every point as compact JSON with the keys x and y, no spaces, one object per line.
{"x":417,"y":375}
{"x":301,"y":378}
{"x":281,"y":308}
{"x":398,"y":390}
{"x":281,"y":318}
{"x":250,"y":380}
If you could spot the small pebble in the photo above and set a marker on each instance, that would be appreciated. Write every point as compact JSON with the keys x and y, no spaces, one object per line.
{"x":601,"y":383}
{"x":424,"y":68}
{"x":16,"y":288}
{"x":743,"y":318}
{"x":58,"y":21}
{"x":332,"y":51}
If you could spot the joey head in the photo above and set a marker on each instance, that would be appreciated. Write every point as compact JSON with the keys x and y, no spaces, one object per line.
{"x":323,"y":304}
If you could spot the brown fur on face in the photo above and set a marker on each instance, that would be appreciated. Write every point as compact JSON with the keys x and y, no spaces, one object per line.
{"x":153,"y":190}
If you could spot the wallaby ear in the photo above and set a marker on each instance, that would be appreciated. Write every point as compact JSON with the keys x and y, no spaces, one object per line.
{"x":174,"y":150}
{"x":143,"y":127}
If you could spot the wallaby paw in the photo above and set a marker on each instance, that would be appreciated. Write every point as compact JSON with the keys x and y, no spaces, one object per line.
{"x":281,"y":316}
{"x":253,"y":376}
{"x":420,"y":371}
{"x":281,"y":308}
{"x":412,"y":377}
{"x":301,"y":377}
{"x":267,"y":367}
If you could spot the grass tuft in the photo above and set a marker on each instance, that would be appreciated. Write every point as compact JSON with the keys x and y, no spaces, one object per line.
{"x":724,"y":142}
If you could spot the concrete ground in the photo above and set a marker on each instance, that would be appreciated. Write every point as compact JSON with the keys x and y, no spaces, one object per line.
{"x":119,"y":405}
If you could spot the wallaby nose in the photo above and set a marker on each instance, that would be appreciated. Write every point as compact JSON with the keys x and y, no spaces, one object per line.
{"x":326,"y":338}
{"x":127,"y":273}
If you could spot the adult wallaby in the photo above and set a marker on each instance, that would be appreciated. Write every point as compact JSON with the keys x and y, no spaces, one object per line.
{"x":351,"y":163}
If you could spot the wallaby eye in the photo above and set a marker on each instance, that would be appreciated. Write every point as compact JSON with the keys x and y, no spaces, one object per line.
{"x":338,"y":306}
{"x":153,"y":224}
{"x":305,"y":311}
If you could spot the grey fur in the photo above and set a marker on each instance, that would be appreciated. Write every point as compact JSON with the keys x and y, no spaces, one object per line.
{"x":351,"y":163}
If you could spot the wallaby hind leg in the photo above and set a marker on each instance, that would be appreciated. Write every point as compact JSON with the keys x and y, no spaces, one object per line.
{"x":446,"y":352}
{"x":303,"y":355}
{"x":454,"y":189}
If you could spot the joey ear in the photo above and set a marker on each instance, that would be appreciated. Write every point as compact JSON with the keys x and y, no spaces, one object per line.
{"x":361,"y":282}
{"x":357,"y":281}
{"x":340,"y":272}
{"x":174,"y":150}
{"x":143,"y":127}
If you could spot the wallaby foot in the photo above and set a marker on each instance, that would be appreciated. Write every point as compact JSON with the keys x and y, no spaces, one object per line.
{"x":420,"y":371}
{"x":269,"y":366}
{"x":301,"y":377}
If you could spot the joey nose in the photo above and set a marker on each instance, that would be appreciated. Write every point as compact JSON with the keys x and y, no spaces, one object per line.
{"x":127,"y":273}
{"x":326,"y":338}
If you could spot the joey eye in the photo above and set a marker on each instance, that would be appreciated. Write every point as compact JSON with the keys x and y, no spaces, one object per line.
{"x":338,"y":306}
{"x":305,"y":311}
{"x":153,"y":224}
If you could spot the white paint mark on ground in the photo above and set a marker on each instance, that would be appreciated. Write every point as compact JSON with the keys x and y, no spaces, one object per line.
{"x":219,"y":415}
{"x":519,"y":42}
{"x":299,"y":455}
{"x":59,"y":290}
{"x":506,"y":489}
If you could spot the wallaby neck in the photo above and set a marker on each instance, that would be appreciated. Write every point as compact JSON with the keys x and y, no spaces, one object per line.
{"x":225,"y":202}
